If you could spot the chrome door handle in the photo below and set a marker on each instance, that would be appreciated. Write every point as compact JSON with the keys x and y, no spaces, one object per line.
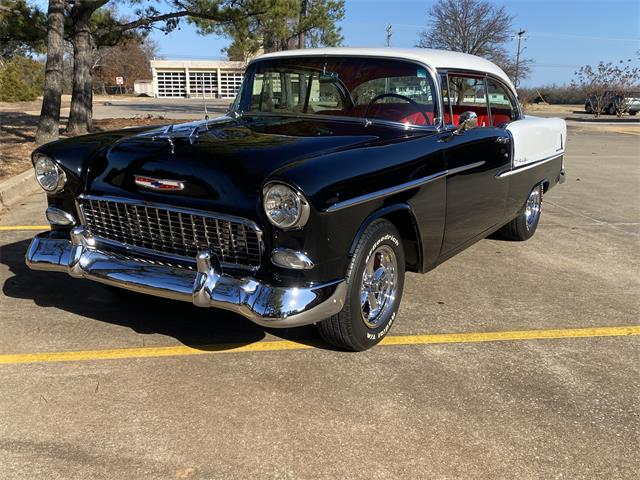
{"x":503,"y":140}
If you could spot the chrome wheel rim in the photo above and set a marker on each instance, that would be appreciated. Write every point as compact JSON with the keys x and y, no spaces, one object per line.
{"x":379,"y":286}
{"x":532,"y":209}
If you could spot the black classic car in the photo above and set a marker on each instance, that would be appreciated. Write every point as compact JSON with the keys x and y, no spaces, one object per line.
{"x":334,"y":172}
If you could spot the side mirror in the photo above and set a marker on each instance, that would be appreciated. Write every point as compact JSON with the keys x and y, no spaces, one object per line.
{"x":467,"y":121}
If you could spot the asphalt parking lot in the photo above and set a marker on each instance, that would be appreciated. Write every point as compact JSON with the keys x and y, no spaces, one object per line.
{"x":511,"y":360}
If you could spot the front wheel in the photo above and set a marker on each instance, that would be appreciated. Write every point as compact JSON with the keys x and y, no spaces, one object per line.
{"x":375,"y":281}
{"x":525,"y":224}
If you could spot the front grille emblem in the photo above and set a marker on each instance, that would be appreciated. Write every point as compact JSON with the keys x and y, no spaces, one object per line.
{"x":158,"y":184}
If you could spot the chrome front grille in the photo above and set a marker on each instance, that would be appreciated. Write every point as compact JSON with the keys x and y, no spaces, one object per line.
{"x":173,"y":232}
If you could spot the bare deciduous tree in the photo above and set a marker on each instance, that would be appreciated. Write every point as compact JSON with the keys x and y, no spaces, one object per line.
{"x":624,"y":86}
{"x":607,"y":84}
{"x":473,"y":26}
{"x":130,"y":60}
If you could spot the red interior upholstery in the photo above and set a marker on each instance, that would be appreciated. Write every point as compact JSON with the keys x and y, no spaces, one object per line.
{"x":396,"y":112}
{"x":483,"y":118}
{"x":406,"y":112}
{"x":499,"y":115}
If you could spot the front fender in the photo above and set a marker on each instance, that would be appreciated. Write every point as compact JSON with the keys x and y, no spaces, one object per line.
{"x":402,"y":216}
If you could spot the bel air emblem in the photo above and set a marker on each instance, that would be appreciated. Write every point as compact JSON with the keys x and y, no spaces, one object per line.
{"x":159,"y":184}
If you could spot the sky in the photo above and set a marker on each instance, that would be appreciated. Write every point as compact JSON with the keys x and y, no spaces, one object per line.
{"x":561,"y":35}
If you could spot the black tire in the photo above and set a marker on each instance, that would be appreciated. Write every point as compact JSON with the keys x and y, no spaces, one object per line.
{"x":588,"y":108}
{"x":611,"y":110}
{"x":633,"y":112}
{"x":524,"y":225}
{"x":349,"y":329}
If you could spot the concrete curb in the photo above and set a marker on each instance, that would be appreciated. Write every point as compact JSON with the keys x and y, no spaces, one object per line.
{"x":17,"y":187}
{"x":621,"y":121}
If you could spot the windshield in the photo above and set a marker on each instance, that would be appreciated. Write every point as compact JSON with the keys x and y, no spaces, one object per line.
{"x":347,"y":87}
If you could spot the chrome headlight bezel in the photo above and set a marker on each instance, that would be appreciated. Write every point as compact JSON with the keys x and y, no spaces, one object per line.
{"x":300,"y":205}
{"x":48,"y":173}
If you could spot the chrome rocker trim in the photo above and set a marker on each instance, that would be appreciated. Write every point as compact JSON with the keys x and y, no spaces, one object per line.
{"x":266,"y":305}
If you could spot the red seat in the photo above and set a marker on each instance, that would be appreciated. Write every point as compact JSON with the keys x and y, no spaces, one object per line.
{"x":481,"y":112}
{"x":406,"y":113}
{"x":395,"y":112}
{"x":499,"y":115}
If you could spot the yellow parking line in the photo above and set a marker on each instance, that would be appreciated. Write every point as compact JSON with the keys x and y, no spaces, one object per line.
{"x":10,"y":228}
{"x":271,"y":346}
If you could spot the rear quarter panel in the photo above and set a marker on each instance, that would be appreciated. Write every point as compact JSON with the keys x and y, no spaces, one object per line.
{"x":537,"y":138}
{"x":537,"y":157}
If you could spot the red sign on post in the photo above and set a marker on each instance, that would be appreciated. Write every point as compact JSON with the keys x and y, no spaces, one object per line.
{"x":119,"y":81}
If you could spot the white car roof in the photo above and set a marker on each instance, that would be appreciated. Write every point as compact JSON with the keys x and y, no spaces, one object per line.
{"x":427,"y":56}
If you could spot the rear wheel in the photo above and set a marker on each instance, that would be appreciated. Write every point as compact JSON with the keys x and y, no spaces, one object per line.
{"x":588,"y":108}
{"x":375,"y":281}
{"x":525,"y":224}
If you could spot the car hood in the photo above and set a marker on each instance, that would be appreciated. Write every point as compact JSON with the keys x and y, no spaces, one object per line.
{"x":222,"y":164}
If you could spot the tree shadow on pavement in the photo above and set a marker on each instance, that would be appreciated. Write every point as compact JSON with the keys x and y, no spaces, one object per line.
{"x":201,"y":328}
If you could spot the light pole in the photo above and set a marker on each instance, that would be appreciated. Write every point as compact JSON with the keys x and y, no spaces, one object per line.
{"x":520,"y":34}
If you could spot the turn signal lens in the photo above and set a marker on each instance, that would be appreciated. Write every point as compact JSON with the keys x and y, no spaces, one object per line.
{"x":286,"y":258}
{"x":57,"y":216}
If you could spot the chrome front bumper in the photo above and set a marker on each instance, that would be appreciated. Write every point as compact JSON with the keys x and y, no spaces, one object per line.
{"x":265,"y":305}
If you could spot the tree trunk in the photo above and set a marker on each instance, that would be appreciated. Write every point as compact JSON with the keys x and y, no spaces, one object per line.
{"x":303,"y":16}
{"x":49,"y":123}
{"x":81,"y":113}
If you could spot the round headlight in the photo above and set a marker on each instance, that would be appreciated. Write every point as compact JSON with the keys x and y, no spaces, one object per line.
{"x":50,"y":177}
{"x":285,"y":208}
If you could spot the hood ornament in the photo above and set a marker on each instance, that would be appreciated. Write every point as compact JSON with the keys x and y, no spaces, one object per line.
{"x":158,"y":184}
{"x":167,"y":134}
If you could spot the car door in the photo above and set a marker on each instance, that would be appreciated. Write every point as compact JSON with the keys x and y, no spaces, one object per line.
{"x":475,"y":196}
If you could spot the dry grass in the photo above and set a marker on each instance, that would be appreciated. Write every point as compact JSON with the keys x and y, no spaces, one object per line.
{"x":559,"y":110}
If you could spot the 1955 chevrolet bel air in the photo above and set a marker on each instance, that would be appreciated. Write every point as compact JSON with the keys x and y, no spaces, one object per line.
{"x":334,"y":172}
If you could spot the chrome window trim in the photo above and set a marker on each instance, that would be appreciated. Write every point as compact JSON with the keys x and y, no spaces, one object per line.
{"x":188,"y":211}
{"x":528,"y":166}
{"x":337,"y":118}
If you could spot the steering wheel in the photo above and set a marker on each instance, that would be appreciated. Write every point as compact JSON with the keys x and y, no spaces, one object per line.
{"x":401,"y":97}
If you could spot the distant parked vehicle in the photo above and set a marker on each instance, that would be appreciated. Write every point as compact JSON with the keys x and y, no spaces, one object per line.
{"x":610,"y":100}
